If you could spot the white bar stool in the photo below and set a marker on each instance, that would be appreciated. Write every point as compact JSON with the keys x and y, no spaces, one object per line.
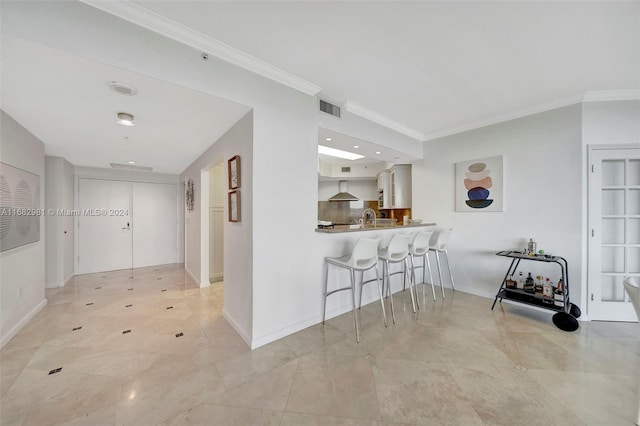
{"x":438,"y":244}
{"x":396,"y":252}
{"x":363,"y":257}
{"x":632,"y":285}
{"x":419,"y":248}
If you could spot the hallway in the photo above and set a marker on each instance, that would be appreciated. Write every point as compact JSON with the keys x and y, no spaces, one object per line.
{"x":457,"y":362}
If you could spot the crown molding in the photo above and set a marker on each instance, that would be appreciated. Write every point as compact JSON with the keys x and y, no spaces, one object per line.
{"x":511,"y":115}
{"x":592,"y":96}
{"x":162,"y":25}
{"x":612,"y":95}
{"x":380,"y":119}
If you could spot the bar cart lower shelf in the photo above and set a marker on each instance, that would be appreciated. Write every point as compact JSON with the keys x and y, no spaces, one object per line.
{"x":566,"y":315}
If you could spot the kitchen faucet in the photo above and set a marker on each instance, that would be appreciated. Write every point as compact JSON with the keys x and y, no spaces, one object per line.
{"x":364,"y":216}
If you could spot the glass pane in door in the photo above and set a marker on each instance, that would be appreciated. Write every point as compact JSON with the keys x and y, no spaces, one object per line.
{"x":634,"y":172}
{"x":613,"y":173}
{"x":612,"y":202}
{"x":613,"y":231}
{"x":612,"y":289}
{"x":612,"y":259}
{"x":634,"y":231}
{"x":633,"y":260}
{"x":634,"y":202}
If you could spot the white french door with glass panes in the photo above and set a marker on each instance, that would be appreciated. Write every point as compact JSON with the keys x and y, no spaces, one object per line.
{"x":614,"y":231}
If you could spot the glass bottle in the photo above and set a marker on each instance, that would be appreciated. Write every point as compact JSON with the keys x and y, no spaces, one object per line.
{"x":528,"y":284}
{"x":538,"y":285}
{"x":558,"y":295}
{"x":547,"y":291}
{"x":520,"y":284}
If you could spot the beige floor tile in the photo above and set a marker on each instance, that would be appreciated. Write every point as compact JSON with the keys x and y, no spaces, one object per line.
{"x":297,"y":419}
{"x":313,"y":338}
{"x":329,"y":384}
{"x":247,"y":365}
{"x":597,"y":399}
{"x":165,"y":401}
{"x":508,"y":396}
{"x":455,"y":361}
{"x":421,"y":393}
{"x":269,"y":391}
{"x":206,"y":414}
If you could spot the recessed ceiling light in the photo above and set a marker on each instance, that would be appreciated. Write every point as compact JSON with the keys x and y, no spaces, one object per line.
{"x":131,"y":162}
{"x":122,"y":88}
{"x":125,"y":119}
{"x":338,"y":153}
{"x":328,"y":139}
{"x":356,"y":146}
{"x":378,"y":152}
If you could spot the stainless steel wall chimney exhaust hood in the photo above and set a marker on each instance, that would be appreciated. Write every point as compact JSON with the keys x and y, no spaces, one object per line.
{"x":343,"y":195}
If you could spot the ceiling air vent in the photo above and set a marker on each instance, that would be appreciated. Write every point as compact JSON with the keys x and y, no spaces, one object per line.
{"x":346,"y":170}
{"x":329,"y":108}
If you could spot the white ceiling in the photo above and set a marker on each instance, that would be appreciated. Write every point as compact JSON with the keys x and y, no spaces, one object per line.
{"x":430,"y":68}
{"x":433,"y":66}
{"x":64,"y":100}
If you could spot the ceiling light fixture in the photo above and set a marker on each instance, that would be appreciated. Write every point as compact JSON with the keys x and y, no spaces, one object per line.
{"x":125,"y":119}
{"x":328,"y":139}
{"x":378,"y":152}
{"x":122,"y":88}
{"x":356,"y":146}
{"x":338,"y":153}
{"x":131,"y":162}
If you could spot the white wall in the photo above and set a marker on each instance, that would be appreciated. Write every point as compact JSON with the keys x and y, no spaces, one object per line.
{"x":543,"y":198}
{"x":59,"y":250}
{"x":612,"y":122}
{"x":238,"y":237}
{"x":22,"y":270}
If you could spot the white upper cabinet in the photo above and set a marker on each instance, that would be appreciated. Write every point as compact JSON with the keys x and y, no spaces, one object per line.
{"x":384,"y":189}
{"x":400,"y":186}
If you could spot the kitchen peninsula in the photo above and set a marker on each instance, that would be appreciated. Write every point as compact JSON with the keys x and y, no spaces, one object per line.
{"x":337,"y":229}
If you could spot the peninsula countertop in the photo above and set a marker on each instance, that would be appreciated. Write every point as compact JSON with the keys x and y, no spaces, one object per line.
{"x":339,"y":229}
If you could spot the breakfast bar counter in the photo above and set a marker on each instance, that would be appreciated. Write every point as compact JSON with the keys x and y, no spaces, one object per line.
{"x":338,"y":229}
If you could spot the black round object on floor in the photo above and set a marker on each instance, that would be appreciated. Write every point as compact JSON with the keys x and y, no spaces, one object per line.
{"x":575,"y":310}
{"x":565,"y":322}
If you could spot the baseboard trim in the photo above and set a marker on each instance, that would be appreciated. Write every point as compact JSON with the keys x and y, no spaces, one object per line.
{"x":66,"y":280}
{"x":193,"y":277}
{"x":7,"y":338}
{"x":233,"y":323}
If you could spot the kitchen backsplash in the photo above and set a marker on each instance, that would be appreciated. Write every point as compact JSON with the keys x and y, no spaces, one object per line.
{"x":345,"y":212}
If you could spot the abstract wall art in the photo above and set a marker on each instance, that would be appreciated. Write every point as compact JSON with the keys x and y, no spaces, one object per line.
{"x":19,"y":207}
{"x":480,"y":185}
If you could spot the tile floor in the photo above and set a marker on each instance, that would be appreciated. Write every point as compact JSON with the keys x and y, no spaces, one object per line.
{"x":455,"y":363}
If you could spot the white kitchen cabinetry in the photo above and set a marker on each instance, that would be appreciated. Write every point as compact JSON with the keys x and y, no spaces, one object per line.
{"x":400,"y":186}
{"x":384,"y":189}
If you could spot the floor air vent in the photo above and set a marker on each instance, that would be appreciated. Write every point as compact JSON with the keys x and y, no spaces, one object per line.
{"x":329,"y":108}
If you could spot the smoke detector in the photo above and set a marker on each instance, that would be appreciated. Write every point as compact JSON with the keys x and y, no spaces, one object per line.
{"x":122,"y":88}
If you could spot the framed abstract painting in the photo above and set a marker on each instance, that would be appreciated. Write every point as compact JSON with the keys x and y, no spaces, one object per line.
{"x":480,"y":185}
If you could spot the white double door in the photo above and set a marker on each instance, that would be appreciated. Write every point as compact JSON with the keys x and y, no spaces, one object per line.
{"x":614,"y":231}
{"x":125,"y":225}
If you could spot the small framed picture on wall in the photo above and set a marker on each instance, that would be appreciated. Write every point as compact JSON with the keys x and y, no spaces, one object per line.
{"x":234,"y":172}
{"x":234,"y":206}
